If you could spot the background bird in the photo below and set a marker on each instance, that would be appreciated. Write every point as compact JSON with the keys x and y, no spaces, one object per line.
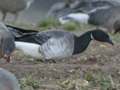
{"x":60,"y":8}
{"x":8,"y":81}
{"x":7,"y":44}
{"x":99,"y":17}
{"x":13,"y":7}
{"x":117,"y":26}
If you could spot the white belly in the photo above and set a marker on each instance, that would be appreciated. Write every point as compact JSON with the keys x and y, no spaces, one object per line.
{"x":29,"y":49}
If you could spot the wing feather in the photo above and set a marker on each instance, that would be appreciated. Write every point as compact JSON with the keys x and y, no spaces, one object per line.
{"x":44,"y":36}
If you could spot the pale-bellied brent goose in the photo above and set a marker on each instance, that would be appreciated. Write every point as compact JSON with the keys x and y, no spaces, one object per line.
{"x":58,"y":44}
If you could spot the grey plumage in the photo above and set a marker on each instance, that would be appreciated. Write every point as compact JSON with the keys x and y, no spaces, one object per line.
{"x":105,"y":18}
{"x":62,"y":39}
{"x":60,"y":9}
{"x":87,"y":5}
{"x":53,"y":12}
{"x":7,"y":44}
{"x":101,"y":17}
{"x":8,"y":81}
{"x":13,"y":6}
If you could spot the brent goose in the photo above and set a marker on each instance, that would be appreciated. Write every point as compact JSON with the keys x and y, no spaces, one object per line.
{"x":14,"y":6}
{"x":7,"y":44}
{"x":58,"y":44}
{"x":101,"y":17}
{"x":8,"y":81}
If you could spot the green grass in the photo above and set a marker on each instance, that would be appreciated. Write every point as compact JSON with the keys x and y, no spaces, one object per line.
{"x":29,"y":81}
{"x":53,"y":23}
{"x":94,"y":81}
{"x":49,"y":22}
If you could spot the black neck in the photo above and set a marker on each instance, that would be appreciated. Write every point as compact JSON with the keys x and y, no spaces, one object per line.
{"x":81,"y":43}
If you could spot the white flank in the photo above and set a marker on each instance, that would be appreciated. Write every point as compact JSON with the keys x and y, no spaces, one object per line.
{"x":29,"y":49}
{"x":80,"y":18}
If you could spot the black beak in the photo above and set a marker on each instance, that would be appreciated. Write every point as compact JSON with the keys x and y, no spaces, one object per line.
{"x":111,"y":42}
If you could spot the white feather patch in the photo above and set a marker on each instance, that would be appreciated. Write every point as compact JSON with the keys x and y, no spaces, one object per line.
{"x":91,"y":36}
{"x":80,"y":18}
{"x":29,"y":49}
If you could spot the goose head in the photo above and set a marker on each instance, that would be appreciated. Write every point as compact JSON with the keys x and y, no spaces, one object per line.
{"x":101,"y":36}
{"x":8,"y":48}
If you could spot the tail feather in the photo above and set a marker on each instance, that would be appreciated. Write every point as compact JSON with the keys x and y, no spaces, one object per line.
{"x":15,"y":33}
{"x":21,"y":29}
{"x":30,"y":38}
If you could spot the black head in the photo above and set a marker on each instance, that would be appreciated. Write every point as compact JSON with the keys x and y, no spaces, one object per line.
{"x":8,"y":47}
{"x":101,"y":36}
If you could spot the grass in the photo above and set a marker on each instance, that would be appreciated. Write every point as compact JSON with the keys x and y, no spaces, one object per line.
{"x":53,"y":23}
{"x":29,"y":81}
{"x":95,"y":81}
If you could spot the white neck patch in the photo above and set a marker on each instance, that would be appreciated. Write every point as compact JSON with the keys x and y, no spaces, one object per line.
{"x":91,"y":36}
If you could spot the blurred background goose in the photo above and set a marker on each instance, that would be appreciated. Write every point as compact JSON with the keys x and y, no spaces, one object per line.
{"x":117,"y":26}
{"x":60,"y":8}
{"x":13,"y":7}
{"x":63,"y":8}
{"x":84,"y":6}
{"x":8,"y":81}
{"x":7,"y":44}
{"x":58,"y":44}
{"x":99,"y":17}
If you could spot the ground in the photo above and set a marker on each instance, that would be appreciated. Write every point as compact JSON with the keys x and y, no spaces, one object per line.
{"x":98,"y":68}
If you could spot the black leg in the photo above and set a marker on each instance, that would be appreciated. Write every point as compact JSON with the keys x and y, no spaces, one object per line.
{"x":53,"y":61}
{"x":49,"y":60}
